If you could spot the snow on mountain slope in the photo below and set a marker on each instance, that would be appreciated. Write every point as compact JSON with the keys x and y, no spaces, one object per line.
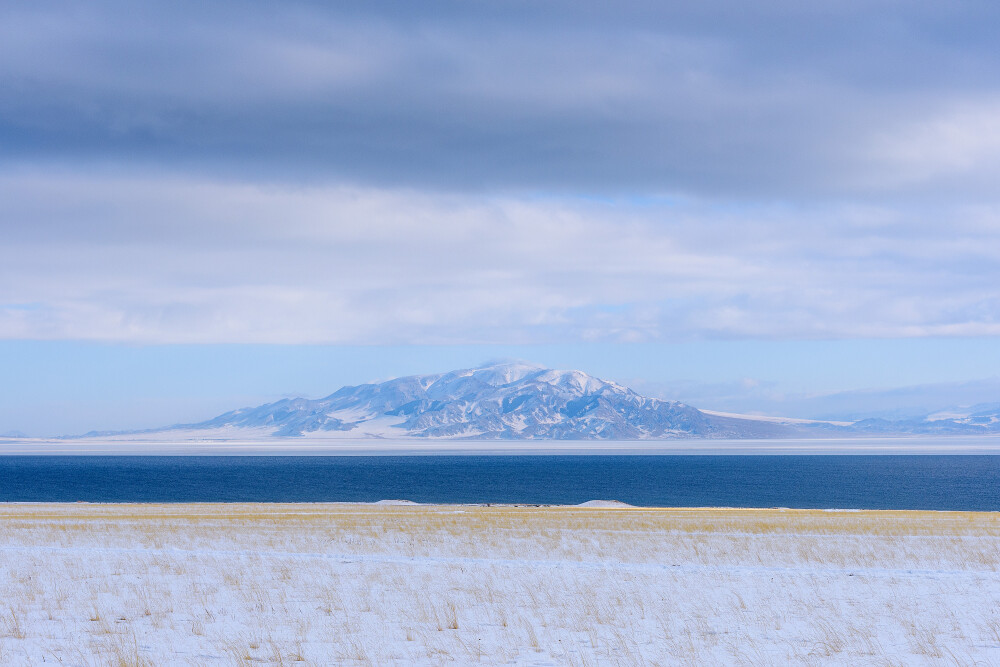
{"x":499,"y":401}
{"x":776,"y":420}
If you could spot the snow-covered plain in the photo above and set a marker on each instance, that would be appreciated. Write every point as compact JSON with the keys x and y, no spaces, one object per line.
{"x":407,"y":584}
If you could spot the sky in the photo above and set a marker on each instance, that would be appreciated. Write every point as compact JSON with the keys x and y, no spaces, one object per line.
{"x":740,"y":204}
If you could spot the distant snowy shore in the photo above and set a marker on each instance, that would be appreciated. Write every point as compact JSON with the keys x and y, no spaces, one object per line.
{"x":175,"y":443}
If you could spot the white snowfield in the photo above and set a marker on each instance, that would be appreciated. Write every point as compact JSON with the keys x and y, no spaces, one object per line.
{"x":428,"y":585}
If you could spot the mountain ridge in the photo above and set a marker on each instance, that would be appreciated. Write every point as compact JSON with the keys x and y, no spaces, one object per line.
{"x":521,"y":401}
{"x":500,"y":401}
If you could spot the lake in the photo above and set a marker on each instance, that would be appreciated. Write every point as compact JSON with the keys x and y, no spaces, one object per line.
{"x":935,"y":482}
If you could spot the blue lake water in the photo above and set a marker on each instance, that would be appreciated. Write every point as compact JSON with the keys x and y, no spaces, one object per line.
{"x":948,"y":482}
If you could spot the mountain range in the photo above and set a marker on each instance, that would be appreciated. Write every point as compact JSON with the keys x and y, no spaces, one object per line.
{"x":509,"y":401}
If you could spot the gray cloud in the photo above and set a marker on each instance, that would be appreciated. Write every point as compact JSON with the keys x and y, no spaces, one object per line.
{"x":777,"y":99}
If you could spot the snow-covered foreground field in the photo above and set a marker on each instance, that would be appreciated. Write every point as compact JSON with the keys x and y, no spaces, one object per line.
{"x":386,"y":584}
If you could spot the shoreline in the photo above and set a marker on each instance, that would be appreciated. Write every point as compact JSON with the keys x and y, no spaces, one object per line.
{"x":394,"y":506}
{"x":911,"y":445}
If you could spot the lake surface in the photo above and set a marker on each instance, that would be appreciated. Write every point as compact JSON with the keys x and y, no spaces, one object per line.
{"x":948,"y":482}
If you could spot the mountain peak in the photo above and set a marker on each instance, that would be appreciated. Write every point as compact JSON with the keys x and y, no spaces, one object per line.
{"x":503,"y":372}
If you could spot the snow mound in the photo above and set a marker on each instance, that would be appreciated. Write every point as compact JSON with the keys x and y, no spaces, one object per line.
{"x":604,"y":503}
{"x":396,"y":502}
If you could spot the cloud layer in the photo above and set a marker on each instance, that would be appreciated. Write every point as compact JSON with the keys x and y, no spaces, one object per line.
{"x":155,"y":260}
{"x":775,"y":99}
{"x":510,"y":172}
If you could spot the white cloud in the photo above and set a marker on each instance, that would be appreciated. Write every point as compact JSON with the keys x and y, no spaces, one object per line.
{"x":957,"y":138}
{"x":153,"y":259}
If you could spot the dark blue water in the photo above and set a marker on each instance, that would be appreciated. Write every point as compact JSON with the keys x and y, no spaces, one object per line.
{"x":868,"y":482}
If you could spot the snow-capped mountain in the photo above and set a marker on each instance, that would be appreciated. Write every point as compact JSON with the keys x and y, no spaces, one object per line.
{"x":517,"y":401}
{"x":500,"y":401}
